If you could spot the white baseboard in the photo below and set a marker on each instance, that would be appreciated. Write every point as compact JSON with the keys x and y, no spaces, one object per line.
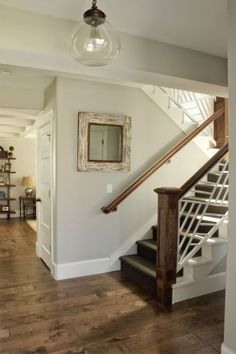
{"x":191,"y":289}
{"x":37,"y":249}
{"x":226,"y":350}
{"x":101,"y":265}
{"x":84,"y":268}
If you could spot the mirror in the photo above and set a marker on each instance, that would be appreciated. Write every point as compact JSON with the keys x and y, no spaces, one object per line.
{"x":103,"y":142}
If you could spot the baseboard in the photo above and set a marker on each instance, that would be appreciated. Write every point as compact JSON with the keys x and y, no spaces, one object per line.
{"x":226,"y":350}
{"x":101,"y":265}
{"x":84,"y":268}
{"x":37,"y":249}
{"x":208,"y":285}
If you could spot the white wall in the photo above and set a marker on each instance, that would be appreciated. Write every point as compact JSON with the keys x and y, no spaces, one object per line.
{"x":83,"y":232}
{"x":230,"y":318}
{"x":24,"y":165}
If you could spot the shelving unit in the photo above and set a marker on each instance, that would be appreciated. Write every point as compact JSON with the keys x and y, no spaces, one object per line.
{"x":7,"y":201}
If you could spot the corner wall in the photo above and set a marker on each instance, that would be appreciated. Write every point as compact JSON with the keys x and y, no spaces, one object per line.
{"x":229,"y":346}
{"x":87,"y":240}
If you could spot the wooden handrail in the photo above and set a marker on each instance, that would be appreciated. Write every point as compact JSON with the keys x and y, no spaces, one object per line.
{"x":203,"y":170}
{"x":113,"y":205}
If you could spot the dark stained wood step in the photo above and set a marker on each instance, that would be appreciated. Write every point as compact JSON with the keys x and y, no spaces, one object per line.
{"x":147,"y":249}
{"x":140,"y":271}
{"x":213,"y":177}
{"x":154,"y":232}
{"x":214,"y":209}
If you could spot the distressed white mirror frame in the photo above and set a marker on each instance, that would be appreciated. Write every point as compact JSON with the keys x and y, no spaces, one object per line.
{"x":84,"y":120}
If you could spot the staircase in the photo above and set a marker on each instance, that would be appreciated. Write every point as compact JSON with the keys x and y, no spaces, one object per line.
{"x":187,"y":110}
{"x":202,"y":244}
{"x":186,"y":255}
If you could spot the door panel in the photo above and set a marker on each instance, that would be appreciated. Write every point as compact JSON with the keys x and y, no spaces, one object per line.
{"x":44,"y":193}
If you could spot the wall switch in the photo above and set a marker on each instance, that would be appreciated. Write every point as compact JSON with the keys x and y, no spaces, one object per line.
{"x":109,"y":188}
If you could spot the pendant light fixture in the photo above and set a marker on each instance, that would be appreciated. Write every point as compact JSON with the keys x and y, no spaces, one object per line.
{"x":93,"y":41}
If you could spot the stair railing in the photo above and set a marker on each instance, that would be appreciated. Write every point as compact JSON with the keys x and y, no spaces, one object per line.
{"x":112,"y":206}
{"x":190,"y":240}
{"x":203,"y":104}
{"x":172,"y":248}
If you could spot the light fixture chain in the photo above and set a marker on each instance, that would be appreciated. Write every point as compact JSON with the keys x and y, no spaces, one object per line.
{"x":94,"y":4}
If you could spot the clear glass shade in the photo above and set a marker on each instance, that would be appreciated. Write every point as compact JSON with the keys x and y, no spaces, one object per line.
{"x":94,"y":45}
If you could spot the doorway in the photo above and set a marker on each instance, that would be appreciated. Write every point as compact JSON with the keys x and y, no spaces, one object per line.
{"x":44,"y":189}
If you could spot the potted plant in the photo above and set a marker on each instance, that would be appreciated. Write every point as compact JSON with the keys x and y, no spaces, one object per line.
{"x":10,"y":153}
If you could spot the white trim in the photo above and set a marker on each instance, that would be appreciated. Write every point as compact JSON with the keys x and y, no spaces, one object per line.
{"x":101,"y":265}
{"x":226,"y":350}
{"x":83,"y":268}
{"x":37,"y":249}
{"x":44,"y":118}
{"x":190,"y":289}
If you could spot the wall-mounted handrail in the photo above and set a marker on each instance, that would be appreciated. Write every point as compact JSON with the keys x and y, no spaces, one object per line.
{"x":114,"y":204}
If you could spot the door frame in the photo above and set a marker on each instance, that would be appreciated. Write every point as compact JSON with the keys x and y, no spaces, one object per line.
{"x":46,"y":117}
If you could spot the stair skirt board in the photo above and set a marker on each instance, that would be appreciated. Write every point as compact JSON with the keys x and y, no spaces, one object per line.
{"x":187,"y":289}
{"x":226,"y":350}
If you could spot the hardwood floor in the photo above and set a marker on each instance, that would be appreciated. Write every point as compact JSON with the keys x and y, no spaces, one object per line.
{"x":96,"y":314}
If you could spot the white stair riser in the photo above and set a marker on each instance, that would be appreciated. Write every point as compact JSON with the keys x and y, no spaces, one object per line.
{"x":207,"y":285}
{"x":215,"y":253}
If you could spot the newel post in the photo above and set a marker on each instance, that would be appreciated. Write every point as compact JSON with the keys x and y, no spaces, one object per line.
{"x":167,"y":242}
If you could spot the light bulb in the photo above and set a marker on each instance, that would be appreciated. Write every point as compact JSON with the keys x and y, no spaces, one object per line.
{"x":95,"y":42}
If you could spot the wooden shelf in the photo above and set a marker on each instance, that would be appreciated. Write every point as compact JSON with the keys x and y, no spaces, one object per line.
{"x":7,"y":200}
{"x":7,"y":185}
{"x":8,"y":172}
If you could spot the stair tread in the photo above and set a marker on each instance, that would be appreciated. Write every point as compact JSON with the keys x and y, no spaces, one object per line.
{"x":149,"y":243}
{"x":140,"y":264}
{"x":205,"y":200}
{"x":214,"y":218}
{"x":218,"y":173}
{"x":199,"y":261}
{"x":210,"y":184}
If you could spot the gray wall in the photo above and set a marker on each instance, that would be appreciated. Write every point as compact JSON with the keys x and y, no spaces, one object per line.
{"x":230,"y":319}
{"x":83,"y":232}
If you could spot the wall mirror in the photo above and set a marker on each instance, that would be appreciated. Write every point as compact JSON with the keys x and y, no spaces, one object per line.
{"x":103,"y":142}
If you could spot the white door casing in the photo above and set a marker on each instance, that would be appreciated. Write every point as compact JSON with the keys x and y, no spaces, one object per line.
{"x":44,"y":191}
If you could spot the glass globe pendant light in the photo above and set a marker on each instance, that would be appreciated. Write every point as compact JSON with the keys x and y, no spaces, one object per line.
{"x":93,"y":41}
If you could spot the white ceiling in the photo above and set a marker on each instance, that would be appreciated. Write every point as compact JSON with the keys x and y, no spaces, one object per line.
{"x":15,"y":122}
{"x":194,"y":24}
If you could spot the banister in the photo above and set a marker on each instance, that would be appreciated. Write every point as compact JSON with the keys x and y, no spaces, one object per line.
{"x":113,"y":205}
{"x":203,"y":170}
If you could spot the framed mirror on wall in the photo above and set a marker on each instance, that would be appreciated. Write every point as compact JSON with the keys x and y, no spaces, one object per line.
{"x":103,"y":142}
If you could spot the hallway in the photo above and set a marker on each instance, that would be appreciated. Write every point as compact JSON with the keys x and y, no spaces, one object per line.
{"x":96,"y":314}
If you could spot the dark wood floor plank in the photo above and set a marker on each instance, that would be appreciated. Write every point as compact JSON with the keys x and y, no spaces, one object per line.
{"x":92,"y":315}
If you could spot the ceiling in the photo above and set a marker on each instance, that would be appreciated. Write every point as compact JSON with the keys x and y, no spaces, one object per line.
{"x":19,"y":122}
{"x":195,"y":24}
{"x":191,"y":24}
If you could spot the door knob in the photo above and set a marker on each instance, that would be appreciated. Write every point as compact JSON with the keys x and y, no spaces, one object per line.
{"x":38,"y":200}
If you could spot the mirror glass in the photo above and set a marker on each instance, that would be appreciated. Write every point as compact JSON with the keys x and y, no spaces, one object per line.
{"x":105,"y":142}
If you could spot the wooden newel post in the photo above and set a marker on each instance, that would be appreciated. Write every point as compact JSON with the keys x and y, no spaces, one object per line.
{"x":167,"y":242}
{"x":221,"y":125}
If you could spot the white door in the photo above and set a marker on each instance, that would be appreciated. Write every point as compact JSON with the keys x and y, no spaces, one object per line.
{"x":44,"y":181}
